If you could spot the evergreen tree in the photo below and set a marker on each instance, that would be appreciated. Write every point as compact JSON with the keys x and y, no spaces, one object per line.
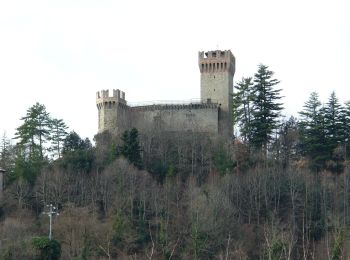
{"x":77,"y":154}
{"x":333,"y":119}
{"x":266,"y":108}
{"x":34,"y":131}
{"x":313,"y":133}
{"x":32,"y":135}
{"x":58,"y":135}
{"x":7,"y":154}
{"x":345,"y":122}
{"x":334,"y":114}
{"x":73,"y":142}
{"x":4,"y":150}
{"x":344,"y":133}
{"x":242,"y":107}
{"x":47,"y":249}
{"x":131,"y":147}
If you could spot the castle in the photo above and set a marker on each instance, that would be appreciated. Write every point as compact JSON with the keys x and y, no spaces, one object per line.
{"x":212,"y":114}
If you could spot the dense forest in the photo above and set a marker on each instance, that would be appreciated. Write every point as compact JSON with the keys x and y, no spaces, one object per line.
{"x":279,"y":189}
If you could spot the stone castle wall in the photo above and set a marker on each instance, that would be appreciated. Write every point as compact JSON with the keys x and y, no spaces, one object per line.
{"x":116,"y":116}
{"x":212,"y":115}
{"x":192,"y":117}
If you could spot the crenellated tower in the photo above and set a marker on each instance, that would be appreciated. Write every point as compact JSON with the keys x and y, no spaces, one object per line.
{"x":212,"y":115}
{"x":217,"y":70}
{"x":112,"y":111}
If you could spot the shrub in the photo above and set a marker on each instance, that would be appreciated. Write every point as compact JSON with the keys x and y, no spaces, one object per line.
{"x":46,"y":248}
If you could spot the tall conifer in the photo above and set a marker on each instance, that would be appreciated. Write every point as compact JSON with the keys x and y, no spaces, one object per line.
{"x":266,"y":107}
{"x":313,"y":133}
{"x":242,"y":110}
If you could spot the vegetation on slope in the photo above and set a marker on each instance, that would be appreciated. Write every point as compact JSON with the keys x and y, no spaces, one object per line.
{"x":279,"y":190}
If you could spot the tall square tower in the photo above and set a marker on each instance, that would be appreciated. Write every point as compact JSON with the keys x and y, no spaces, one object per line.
{"x":217,"y":70}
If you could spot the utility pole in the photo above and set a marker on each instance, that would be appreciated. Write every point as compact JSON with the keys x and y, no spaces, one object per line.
{"x":51,"y":211}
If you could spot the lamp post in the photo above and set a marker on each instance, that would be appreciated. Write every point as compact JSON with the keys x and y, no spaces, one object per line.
{"x":51,"y":211}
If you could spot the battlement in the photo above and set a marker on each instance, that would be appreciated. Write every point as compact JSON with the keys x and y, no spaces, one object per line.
{"x":191,"y":106}
{"x":105,"y":94}
{"x":216,"y":61}
{"x":103,"y":97}
{"x":212,"y":113}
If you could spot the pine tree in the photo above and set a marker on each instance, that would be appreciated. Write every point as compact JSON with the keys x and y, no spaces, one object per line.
{"x":266,"y":108}
{"x":4,"y":148}
{"x":73,"y":142}
{"x":334,"y":115}
{"x":345,"y":129}
{"x":32,"y":135}
{"x":344,"y":119}
{"x":333,"y":119}
{"x":242,"y":107}
{"x":131,"y":148}
{"x":35,"y":130}
{"x":7,"y":154}
{"x":58,"y":135}
{"x":77,"y":153}
{"x":313,"y":133}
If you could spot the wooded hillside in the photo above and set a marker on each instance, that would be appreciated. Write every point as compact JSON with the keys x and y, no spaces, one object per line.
{"x":278,"y":190}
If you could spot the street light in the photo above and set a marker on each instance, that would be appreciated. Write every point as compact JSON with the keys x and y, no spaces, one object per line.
{"x":51,"y":212}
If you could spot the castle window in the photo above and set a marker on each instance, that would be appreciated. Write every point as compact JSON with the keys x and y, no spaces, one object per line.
{"x":202,"y":67}
{"x":214,"y":54}
{"x":206,"y":67}
{"x":221,"y":65}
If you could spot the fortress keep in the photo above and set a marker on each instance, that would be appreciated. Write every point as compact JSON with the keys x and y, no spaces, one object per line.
{"x":212,"y":114}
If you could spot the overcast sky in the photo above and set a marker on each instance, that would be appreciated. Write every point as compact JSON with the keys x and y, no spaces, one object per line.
{"x":59,"y":53}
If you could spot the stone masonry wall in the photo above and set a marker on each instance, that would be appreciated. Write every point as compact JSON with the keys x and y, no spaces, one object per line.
{"x":217,"y":70}
{"x":116,"y":116}
{"x":212,"y":115}
{"x":197,"y":118}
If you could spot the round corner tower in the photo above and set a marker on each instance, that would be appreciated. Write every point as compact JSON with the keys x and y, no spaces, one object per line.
{"x":112,"y":111}
{"x":217,"y":70}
